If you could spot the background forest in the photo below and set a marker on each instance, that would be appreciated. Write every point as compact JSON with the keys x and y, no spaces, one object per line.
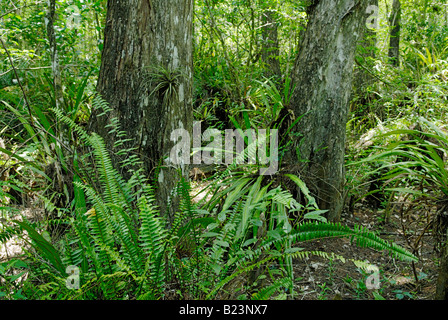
{"x":81,"y":218}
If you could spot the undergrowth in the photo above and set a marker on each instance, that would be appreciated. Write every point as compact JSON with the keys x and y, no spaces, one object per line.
{"x":125,"y":249}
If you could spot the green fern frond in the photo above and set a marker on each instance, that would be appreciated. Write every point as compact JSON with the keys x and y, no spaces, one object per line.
{"x":269,"y":291}
{"x":227,"y":279}
{"x":364,"y":238}
{"x":100,"y":104}
{"x":8,"y":232}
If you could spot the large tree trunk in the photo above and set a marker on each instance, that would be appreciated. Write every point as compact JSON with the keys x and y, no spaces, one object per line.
{"x":323,"y":81}
{"x":146,"y":76}
{"x":395,"y":25}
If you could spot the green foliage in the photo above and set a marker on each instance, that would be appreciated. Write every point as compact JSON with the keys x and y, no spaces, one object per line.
{"x":44,"y":247}
{"x":228,"y":65}
{"x":267,"y":292}
{"x":126,"y":250}
{"x":416,"y":159}
{"x":257,"y":223}
{"x":124,"y":247}
{"x":264,"y":104}
{"x":11,"y":273}
{"x":164,"y":83}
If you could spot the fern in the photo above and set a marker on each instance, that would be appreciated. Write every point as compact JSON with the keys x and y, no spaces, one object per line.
{"x":364,"y":238}
{"x":152,"y":239}
{"x":8,"y":232}
{"x":164,"y":83}
{"x":245,"y":226}
{"x":237,"y":249}
{"x":269,"y":291}
{"x":122,"y":231}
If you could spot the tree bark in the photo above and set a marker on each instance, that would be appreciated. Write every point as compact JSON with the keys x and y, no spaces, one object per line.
{"x":440,"y":234}
{"x":146,"y":77}
{"x":270,"y":45}
{"x":323,"y":82}
{"x":365,"y":51}
{"x":57,"y":78}
{"x":395,"y":26}
{"x":442,"y":277}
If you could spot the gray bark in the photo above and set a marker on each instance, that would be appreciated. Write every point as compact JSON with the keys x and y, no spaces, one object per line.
{"x":141,"y":38}
{"x":395,"y":26}
{"x":365,"y":51}
{"x":270,"y":45}
{"x":57,"y":78}
{"x":323,"y":78}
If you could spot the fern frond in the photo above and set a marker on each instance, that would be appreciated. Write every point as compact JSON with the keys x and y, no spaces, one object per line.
{"x":267,"y":292}
{"x":364,"y":238}
{"x":226,"y":280}
{"x":8,"y":232}
{"x":153,"y":237}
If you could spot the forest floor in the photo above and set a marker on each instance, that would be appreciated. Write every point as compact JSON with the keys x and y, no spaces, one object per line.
{"x":324,"y":279}
{"x":320,"y":278}
{"x":13,"y":248}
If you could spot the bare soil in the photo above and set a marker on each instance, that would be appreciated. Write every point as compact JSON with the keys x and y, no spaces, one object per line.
{"x":324,"y":279}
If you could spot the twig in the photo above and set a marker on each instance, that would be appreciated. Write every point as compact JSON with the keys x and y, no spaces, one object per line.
{"x":414,"y":249}
{"x":44,"y":67}
{"x":15,"y":9}
{"x":374,"y":75}
{"x":2,"y":74}
{"x":18,"y":80}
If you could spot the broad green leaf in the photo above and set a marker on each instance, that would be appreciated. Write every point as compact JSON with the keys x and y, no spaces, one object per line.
{"x":43,"y":246}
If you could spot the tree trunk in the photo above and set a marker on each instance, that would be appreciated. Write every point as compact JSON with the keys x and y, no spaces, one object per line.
{"x":440,"y":230}
{"x":323,"y":82}
{"x":146,"y":77}
{"x":442,"y":278}
{"x":270,"y":46}
{"x":395,"y":25}
{"x":365,"y":51}
{"x":57,"y":78}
